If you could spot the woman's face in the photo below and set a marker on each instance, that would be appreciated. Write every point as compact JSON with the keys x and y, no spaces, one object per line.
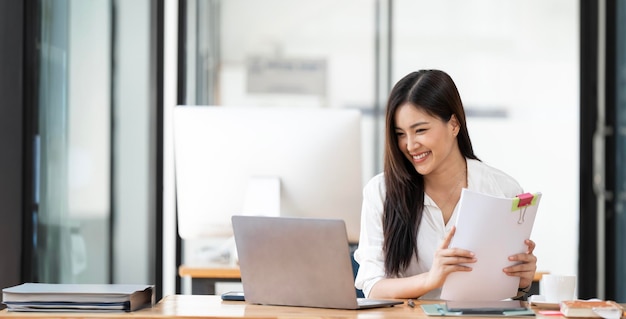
{"x":425,"y":140}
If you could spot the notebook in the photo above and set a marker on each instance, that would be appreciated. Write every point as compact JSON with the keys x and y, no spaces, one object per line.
{"x":290,"y":261}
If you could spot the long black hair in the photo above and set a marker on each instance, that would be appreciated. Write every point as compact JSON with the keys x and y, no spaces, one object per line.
{"x":433,"y":92}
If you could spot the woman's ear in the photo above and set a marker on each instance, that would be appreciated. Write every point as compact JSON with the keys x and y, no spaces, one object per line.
{"x":455,"y":125}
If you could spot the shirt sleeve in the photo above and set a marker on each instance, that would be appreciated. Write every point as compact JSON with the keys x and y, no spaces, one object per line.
{"x":369,"y":253}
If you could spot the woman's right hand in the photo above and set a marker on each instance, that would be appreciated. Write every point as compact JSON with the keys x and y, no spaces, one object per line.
{"x":448,"y":260}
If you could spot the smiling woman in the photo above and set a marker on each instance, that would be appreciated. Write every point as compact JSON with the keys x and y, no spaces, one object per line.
{"x":403,"y":249}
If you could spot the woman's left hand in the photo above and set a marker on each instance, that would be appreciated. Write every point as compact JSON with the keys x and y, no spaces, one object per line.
{"x":525,"y":267}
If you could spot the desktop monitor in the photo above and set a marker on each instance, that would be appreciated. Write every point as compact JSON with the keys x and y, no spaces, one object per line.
{"x":272,"y":161}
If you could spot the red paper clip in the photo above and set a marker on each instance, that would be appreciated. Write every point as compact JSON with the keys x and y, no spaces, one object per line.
{"x":525,"y":199}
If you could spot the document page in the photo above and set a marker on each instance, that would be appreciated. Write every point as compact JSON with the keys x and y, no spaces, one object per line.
{"x":494,"y":228}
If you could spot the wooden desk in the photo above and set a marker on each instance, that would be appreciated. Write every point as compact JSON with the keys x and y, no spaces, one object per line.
{"x":197,"y":306}
{"x":200,"y":280}
{"x":212,"y":271}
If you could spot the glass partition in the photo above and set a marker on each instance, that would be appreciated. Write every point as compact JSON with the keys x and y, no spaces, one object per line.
{"x":95,"y":143}
{"x":72,"y":231}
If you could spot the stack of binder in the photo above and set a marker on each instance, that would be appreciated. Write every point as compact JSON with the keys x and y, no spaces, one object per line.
{"x":41,"y":297}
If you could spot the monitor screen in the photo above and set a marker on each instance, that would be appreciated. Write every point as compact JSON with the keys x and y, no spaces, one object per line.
{"x":285,"y":161}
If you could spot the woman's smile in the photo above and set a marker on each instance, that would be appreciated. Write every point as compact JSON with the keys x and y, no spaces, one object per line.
{"x":420,"y":157}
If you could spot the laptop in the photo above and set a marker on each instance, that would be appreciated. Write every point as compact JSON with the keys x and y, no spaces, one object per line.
{"x":303,"y":262}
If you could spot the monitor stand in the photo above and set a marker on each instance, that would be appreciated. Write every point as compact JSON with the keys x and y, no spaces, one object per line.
{"x":262,"y":199}
{"x":262,"y":196}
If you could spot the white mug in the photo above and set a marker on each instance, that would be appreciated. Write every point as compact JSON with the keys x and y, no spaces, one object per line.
{"x":556,"y":288}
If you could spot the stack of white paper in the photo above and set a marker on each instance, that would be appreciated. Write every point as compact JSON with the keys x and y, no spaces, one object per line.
{"x":494,"y":228}
{"x":77,"y":297}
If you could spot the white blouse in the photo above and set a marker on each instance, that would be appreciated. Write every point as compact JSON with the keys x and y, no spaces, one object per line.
{"x":432,"y":230}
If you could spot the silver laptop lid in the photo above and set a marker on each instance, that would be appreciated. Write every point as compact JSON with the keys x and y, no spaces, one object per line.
{"x":295,"y":261}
